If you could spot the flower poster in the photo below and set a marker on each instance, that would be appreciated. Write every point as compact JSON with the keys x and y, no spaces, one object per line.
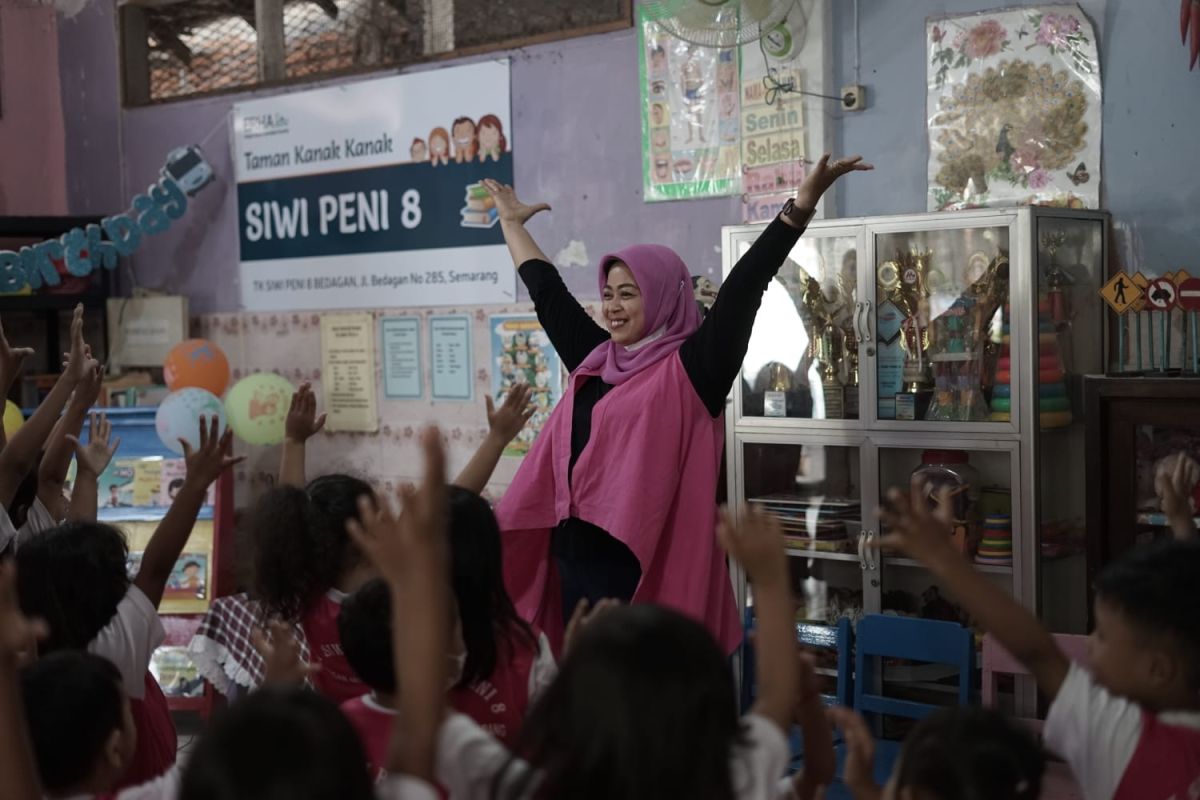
{"x":1014,"y":109}
{"x":690,"y":125}
{"x":522,"y":353}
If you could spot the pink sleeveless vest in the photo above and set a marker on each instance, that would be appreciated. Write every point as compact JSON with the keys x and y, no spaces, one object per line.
{"x":648,"y":476}
{"x":1165,"y":765}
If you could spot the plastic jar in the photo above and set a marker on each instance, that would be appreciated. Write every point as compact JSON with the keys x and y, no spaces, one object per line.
{"x":950,"y":469}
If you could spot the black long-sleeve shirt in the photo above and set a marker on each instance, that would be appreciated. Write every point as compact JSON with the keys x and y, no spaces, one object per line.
{"x":711,"y":356}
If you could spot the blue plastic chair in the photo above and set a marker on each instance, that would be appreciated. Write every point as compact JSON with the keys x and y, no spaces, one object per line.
{"x":928,"y":641}
{"x":838,"y":638}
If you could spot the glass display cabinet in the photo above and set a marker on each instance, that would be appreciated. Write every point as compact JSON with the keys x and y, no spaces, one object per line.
{"x":947,"y":345}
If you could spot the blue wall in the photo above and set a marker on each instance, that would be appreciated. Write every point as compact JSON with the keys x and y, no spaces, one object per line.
{"x":1151,"y":136}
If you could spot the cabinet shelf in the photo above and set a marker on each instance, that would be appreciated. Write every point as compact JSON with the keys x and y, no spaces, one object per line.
{"x":909,"y":562}
{"x":796,"y":552}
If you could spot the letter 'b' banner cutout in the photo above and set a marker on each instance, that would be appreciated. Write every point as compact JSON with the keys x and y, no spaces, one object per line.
{"x":369,"y":194}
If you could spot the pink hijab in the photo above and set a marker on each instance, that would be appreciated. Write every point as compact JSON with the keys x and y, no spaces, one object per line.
{"x":671,"y":313}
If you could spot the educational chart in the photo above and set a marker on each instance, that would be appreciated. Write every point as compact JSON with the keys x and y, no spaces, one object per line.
{"x":401,"y":357}
{"x":689,"y":117}
{"x":1014,"y":109}
{"x":522,"y":353}
{"x":348,"y":372}
{"x":450,"y":358}
{"x":368,"y":194}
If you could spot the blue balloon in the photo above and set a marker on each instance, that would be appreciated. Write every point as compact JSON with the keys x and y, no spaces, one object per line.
{"x":179,"y":416}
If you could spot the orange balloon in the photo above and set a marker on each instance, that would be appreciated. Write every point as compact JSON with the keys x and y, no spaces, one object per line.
{"x":197,"y":363}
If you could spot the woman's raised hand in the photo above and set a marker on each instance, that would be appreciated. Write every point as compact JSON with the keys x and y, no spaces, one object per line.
{"x":508,"y":206}
{"x":823,"y":174}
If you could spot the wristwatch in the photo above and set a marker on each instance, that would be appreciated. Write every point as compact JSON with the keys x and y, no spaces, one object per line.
{"x":796,"y":215}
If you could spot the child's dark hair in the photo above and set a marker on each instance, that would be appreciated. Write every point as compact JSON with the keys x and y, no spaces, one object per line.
{"x":73,"y":703}
{"x":73,"y":576}
{"x":276,"y":744}
{"x":298,"y":542}
{"x":1152,"y":585}
{"x":365,"y":630}
{"x":971,"y":753}
{"x":195,"y":564}
{"x":643,"y":707}
{"x":491,"y":626}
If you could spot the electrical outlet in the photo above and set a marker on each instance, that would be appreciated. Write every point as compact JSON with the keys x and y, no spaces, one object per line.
{"x":854,"y":98}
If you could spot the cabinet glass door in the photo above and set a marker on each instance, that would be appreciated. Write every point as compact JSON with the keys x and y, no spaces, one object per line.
{"x":981,"y":486}
{"x":815,"y":490}
{"x":1071,"y":265}
{"x":942,"y":325}
{"x":802,"y":361}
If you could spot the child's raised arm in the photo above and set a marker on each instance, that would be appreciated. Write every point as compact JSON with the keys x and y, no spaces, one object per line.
{"x":757,"y":544}
{"x":18,"y":634}
{"x":920,"y":533}
{"x":301,"y":425}
{"x":90,"y":462}
{"x":11,"y":361}
{"x":820,"y":761}
{"x":56,"y":460}
{"x":1173,"y":483}
{"x":504,"y":423}
{"x":20,"y":454}
{"x":410,"y":552}
{"x":204,"y":465}
{"x":859,"y":773}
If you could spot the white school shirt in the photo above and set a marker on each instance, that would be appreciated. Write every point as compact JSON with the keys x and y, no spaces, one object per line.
{"x":130,"y":638}
{"x":1100,"y":734}
{"x":37,"y":520}
{"x":166,"y":787}
{"x":469,"y":758}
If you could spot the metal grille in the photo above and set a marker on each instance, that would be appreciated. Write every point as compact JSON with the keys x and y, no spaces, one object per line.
{"x":203,"y":46}
{"x":337,"y":35}
{"x":194,"y":49}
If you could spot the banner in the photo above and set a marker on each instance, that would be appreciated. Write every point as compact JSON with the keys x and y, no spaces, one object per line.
{"x":81,"y":251}
{"x":369,"y":194}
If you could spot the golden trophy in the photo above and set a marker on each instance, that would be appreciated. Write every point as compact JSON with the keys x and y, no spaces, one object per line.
{"x":826,"y":342}
{"x":911,"y":296}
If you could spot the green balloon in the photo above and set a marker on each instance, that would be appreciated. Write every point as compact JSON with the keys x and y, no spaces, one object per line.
{"x":257,"y":408}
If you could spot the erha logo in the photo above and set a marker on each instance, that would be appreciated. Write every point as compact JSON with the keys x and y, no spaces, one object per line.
{"x":262,"y":124}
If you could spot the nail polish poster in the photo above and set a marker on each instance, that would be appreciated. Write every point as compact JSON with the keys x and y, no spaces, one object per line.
{"x":522,"y":353}
{"x":690,"y":124}
{"x":1014,"y":109}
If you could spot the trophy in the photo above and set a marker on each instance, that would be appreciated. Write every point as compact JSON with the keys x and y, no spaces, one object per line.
{"x":911,"y":296}
{"x":850,"y":343}
{"x":826,"y":343}
{"x":778,"y":381}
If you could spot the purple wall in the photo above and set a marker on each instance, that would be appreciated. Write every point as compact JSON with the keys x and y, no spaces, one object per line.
{"x":577,"y":143}
{"x":576,"y":122}
{"x":32,"y":139}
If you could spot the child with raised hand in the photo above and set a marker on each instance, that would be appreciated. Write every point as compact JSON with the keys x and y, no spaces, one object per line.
{"x":51,"y":505}
{"x":20,"y":454}
{"x":644,"y":705}
{"x":75,"y":577}
{"x":965,"y":753}
{"x":12,"y":359}
{"x":504,"y":423}
{"x":1129,"y":728}
{"x":508,"y":663}
{"x":91,"y":460}
{"x":410,"y":553}
{"x":302,"y":563}
{"x":1175,"y":481}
